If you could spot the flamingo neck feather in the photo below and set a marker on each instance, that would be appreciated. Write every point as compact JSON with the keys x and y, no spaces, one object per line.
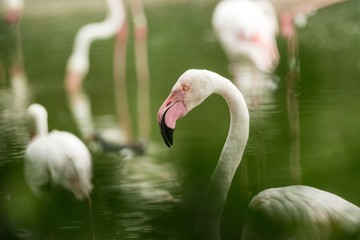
{"x":79,"y":59}
{"x":230,"y":158}
{"x":41,"y":124}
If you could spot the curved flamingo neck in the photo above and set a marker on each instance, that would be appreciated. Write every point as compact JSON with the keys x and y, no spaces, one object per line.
{"x":230,"y":158}
{"x":41,"y":124}
{"x":79,"y":59}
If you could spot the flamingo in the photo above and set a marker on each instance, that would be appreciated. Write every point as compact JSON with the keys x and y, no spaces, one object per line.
{"x":78,"y":62}
{"x":247,"y":31}
{"x":78,"y":65}
{"x":249,"y":28}
{"x":58,"y":156}
{"x":293,"y":212}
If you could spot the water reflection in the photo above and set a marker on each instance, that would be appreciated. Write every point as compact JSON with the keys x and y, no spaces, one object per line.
{"x":135,"y":195}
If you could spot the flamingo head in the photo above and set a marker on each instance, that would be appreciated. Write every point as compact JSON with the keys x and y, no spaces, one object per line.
{"x":247,"y":30}
{"x":191,"y":89}
{"x":13,"y":11}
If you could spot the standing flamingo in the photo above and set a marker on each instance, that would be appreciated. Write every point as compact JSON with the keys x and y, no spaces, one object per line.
{"x":58,"y":156}
{"x":247,"y":31}
{"x":78,"y":65}
{"x":244,"y":26}
{"x":294,"y":212}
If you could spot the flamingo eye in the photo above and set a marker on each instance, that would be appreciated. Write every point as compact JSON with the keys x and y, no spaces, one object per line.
{"x":185,"y":88}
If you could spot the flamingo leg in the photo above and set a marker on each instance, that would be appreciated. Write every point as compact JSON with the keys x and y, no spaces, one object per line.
{"x":142,"y":69}
{"x":121,"y":97}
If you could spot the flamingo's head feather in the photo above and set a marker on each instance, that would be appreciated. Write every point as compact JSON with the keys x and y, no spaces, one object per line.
{"x":191,"y":89}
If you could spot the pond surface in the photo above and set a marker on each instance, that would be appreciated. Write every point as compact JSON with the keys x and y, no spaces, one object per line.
{"x":157,"y":195}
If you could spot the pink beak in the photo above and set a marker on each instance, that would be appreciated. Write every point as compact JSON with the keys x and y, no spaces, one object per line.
{"x":171,"y":110}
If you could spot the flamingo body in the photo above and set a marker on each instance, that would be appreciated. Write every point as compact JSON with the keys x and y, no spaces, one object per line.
{"x":301,"y":212}
{"x":58,"y":156}
{"x":294,"y":212}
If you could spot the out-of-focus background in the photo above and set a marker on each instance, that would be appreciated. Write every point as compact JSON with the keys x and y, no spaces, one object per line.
{"x":157,"y":195}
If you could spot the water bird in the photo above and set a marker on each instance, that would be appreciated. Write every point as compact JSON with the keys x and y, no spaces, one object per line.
{"x":247,"y":32}
{"x":58,"y":157}
{"x":250,"y":27}
{"x":293,"y":212}
{"x":115,"y":24}
{"x":78,"y":62}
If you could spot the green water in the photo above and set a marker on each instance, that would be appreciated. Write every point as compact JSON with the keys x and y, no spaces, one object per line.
{"x":157,"y":195}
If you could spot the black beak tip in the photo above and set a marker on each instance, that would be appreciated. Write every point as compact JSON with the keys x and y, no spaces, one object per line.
{"x":166,"y":132}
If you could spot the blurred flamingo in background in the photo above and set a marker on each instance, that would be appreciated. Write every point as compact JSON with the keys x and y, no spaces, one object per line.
{"x":247,"y":31}
{"x":78,"y":65}
{"x":248,"y":24}
{"x":58,"y":156}
{"x":293,"y":212}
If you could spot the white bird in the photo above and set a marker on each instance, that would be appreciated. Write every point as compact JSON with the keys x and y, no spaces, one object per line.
{"x":58,"y":156}
{"x":298,"y":212}
{"x":247,"y":31}
{"x":115,"y":24}
{"x":249,"y":28}
{"x":78,"y":63}
{"x":78,"y":67}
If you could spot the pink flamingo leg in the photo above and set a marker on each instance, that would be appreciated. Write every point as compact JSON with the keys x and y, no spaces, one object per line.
{"x":121,"y":97}
{"x":142,"y":69}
